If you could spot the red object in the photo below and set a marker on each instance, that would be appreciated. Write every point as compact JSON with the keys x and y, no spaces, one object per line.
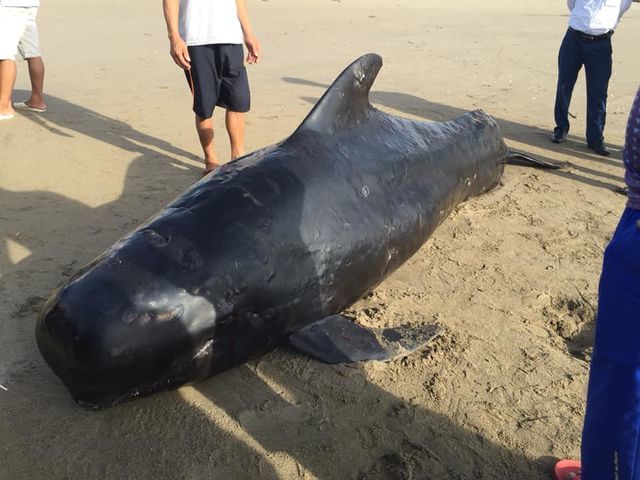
{"x":567,"y":470}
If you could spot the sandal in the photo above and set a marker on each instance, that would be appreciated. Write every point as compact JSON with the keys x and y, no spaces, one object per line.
{"x":567,"y":470}
{"x":23,"y":106}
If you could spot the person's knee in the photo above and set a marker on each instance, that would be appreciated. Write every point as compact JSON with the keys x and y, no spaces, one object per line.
{"x":204,"y":122}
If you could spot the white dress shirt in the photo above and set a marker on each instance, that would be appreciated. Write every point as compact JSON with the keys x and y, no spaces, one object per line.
{"x":596,"y":17}
{"x":19,"y":3}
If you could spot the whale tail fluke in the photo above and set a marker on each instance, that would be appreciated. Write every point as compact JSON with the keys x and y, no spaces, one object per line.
{"x":518,"y":158}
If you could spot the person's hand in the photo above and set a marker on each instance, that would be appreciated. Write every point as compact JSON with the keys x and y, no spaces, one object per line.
{"x":180,"y":53}
{"x":253,"y":47}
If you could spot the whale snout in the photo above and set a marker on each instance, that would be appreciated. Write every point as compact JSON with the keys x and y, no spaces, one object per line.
{"x":109,"y":344}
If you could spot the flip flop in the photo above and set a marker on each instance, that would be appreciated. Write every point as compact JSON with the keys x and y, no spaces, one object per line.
{"x":5,"y":116}
{"x":567,"y":470}
{"x":23,"y":106}
{"x":208,"y":170}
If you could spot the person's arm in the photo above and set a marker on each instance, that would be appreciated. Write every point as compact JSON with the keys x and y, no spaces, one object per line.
{"x":632,"y":141}
{"x":626,"y":4}
{"x":253,"y":46}
{"x":179,"y":51}
{"x":571,"y":4}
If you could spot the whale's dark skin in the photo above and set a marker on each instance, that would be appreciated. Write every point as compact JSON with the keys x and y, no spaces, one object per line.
{"x":269,"y":248}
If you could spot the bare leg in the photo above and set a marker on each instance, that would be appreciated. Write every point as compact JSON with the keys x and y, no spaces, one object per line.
{"x":235,"y":129}
{"x":205,"y":132}
{"x":36,"y":72}
{"x":8,"y":72}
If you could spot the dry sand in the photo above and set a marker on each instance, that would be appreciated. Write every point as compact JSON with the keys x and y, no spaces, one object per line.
{"x":512,"y":276}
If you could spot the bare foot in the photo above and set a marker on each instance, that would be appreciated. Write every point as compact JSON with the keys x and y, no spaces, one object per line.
{"x":36,"y":104}
{"x":7,"y":112}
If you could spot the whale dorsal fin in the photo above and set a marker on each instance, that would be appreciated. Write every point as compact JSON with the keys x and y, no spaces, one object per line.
{"x":346,"y":102}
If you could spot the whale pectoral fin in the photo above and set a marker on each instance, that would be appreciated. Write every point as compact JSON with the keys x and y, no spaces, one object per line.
{"x":337,"y":339}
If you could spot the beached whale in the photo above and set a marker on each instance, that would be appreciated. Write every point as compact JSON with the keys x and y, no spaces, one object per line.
{"x":270,"y":249}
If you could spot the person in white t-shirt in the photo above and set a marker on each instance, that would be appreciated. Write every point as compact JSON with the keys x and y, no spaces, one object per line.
{"x":588,"y":43}
{"x":19,"y":38}
{"x":206,"y":38}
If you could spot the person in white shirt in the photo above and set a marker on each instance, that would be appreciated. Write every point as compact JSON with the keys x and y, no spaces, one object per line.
{"x":19,"y":38}
{"x":588,"y":43}
{"x":206,"y":38}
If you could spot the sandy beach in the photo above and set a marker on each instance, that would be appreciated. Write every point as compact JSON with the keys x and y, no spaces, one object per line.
{"x":511,"y":276}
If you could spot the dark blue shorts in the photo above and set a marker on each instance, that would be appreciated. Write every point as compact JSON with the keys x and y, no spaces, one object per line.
{"x":218,"y":77}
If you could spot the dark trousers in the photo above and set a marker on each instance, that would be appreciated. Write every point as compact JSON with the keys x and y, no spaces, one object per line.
{"x":611,"y":434}
{"x":596,"y":56}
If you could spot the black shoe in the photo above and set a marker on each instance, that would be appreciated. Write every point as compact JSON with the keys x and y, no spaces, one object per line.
{"x":559,"y":135}
{"x":599,"y":148}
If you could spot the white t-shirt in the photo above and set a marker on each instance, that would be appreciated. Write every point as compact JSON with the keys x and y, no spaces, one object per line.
{"x":596,"y":17}
{"x":205,"y":22}
{"x":20,"y":3}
